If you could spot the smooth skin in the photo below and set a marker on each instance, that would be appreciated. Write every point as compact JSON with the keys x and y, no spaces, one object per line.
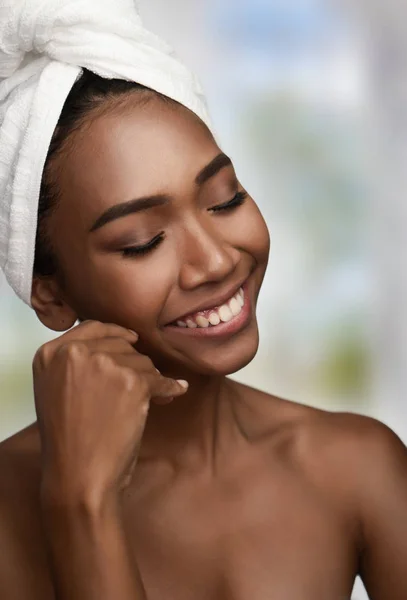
{"x":130,"y":486}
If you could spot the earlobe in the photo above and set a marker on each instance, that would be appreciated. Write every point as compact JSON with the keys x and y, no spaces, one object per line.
{"x":49,"y":305}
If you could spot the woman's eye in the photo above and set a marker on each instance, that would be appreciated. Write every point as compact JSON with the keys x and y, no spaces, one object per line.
{"x":236,"y":201}
{"x":145,"y":249}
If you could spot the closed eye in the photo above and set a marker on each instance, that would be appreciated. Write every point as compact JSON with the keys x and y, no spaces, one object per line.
{"x":145,"y":249}
{"x":236,"y":201}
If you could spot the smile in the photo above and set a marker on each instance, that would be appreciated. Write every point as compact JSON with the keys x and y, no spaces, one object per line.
{"x":228,"y":318}
{"x":213,"y":316}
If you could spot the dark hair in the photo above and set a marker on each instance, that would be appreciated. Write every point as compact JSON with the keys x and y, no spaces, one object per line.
{"x":90,"y":94}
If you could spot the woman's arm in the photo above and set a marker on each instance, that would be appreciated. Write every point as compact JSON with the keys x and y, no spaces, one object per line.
{"x":89,"y":553}
{"x":92,"y":393}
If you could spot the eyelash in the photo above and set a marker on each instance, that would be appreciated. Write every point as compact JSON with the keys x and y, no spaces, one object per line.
{"x":140,"y":250}
{"x":238,"y":200}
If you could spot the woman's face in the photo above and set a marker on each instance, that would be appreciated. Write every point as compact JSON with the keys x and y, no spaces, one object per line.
{"x":152,"y":176}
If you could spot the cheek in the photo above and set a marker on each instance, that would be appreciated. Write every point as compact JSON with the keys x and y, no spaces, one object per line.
{"x":129,"y":292}
{"x":139,"y":289}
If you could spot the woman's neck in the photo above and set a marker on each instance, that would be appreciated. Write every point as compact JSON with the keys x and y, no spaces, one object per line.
{"x":197,"y":429}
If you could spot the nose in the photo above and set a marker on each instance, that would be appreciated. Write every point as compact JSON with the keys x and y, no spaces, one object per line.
{"x":206,"y":257}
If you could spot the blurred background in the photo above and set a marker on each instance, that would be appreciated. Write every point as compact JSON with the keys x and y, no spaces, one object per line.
{"x":309,"y":99}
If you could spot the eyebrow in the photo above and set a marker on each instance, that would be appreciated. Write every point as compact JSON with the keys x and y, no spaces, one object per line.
{"x":140,"y":204}
{"x":218,"y":163}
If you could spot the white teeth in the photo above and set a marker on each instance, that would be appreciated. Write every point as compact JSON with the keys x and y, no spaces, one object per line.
{"x":202,"y":322}
{"x":235,"y":307}
{"x":240,"y":297}
{"x":225,"y":313}
{"x":214,"y":319}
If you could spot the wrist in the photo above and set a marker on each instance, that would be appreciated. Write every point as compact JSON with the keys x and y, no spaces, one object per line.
{"x":58,"y":497}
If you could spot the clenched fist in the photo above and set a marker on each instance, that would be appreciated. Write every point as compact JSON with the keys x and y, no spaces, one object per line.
{"x":92,"y":393}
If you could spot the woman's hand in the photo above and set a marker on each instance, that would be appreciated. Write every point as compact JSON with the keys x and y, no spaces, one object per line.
{"x":92,"y":393}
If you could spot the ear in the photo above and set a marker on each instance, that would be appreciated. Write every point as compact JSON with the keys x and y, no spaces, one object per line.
{"x":50,"y":306}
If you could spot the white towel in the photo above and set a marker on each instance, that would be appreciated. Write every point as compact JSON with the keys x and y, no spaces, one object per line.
{"x":44,"y":44}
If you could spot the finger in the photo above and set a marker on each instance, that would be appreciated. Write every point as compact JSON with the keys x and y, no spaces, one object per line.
{"x":111,"y":345}
{"x":85,"y":331}
{"x":166,"y":387}
{"x":158,"y":385}
{"x":161,"y":401}
{"x":89,"y":330}
{"x":97,"y":329}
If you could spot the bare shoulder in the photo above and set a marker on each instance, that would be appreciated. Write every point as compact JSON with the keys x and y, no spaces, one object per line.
{"x":365,"y":463}
{"x":350,"y":444}
{"x":368,"y":459}
{"x":342,"y":451}
{"x":19,"y":461}
{"x":19,"y":481}
{"x":23,"y":570}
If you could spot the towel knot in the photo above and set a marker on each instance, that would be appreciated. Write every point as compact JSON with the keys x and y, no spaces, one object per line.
{"x":35,"y":27}
{"x":50,"y":27}
{"x":25,"y":26}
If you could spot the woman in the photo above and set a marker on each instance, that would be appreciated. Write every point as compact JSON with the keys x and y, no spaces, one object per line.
{"x":150,"y":474}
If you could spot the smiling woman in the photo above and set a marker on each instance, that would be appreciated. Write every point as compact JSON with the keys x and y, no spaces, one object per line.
{"x":155,"y":228}
{"x":150,"y":474}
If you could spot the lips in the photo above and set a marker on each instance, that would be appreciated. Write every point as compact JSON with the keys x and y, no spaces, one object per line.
{"x":214,"y":316}
{"x":225,"y":329}
{"x":205,"y":309}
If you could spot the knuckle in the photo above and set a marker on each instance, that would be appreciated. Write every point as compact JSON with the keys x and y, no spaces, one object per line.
{"x":72,"y":350}
{"x":120,"y":342}
{"x":103,"y":361}
{"x":131,"y":382}
{"x":129,"y":378}
{"x":90,"y":325}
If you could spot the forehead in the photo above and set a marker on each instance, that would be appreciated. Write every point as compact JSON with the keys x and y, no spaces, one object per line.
{"x":149,"y":148}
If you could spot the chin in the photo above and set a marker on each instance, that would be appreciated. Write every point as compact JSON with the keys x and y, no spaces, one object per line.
{"x":230,"y":358}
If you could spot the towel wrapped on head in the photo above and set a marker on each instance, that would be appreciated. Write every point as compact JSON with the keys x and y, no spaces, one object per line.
{"x":44,"y":47}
